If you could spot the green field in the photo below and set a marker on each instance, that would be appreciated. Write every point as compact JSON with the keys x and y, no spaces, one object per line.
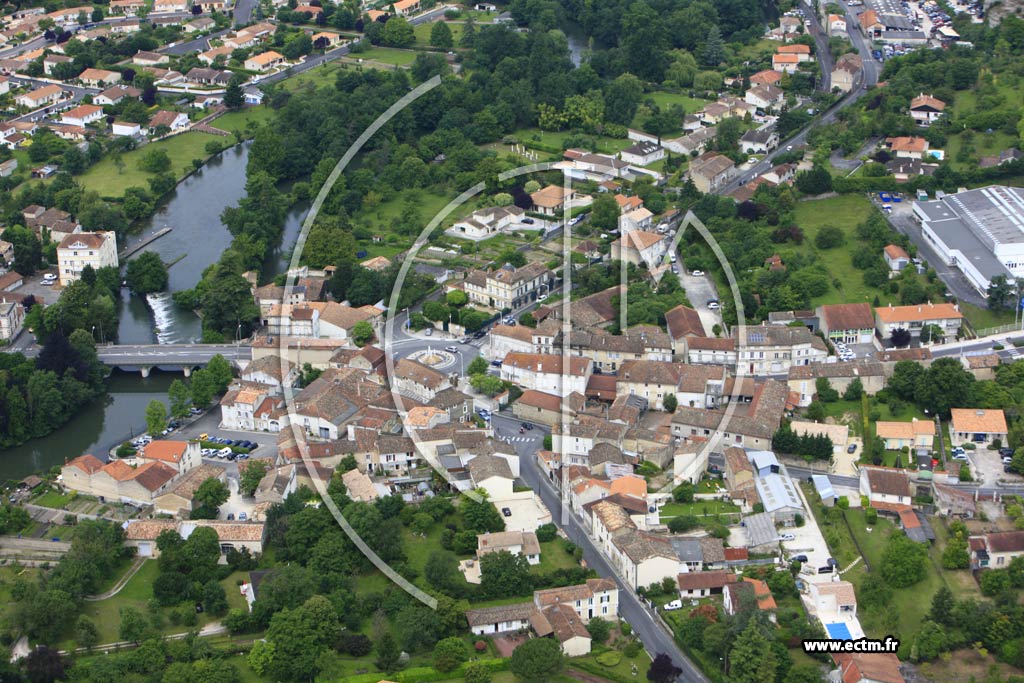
{"x":108,"y":180}
{"x":845,"y":212}
{"x":137,"y":593}
{"x":423,"y":33}
{"x":239,"y":120}
{"x":664,"y":101}
{"x":386,"y":55}
{"x":532,"y":137}
{"x":320,"y":77}
{"x":700,"y":508}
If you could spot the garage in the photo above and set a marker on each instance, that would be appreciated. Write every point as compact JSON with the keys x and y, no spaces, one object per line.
{"x":145,"y":549}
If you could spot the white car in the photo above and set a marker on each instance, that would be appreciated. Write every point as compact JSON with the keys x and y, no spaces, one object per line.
{"x":49,"y":277}
{"x":787,"y":537}
{"x":672,"y":606}
{"x":697,"y":273}
{"x":224,"y":452}
{"x":960,"y":456}
{"x":542,"y":297}
{"x":714,"y":306}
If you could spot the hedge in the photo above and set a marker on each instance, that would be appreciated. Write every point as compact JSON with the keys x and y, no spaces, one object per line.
{"x":426,"y":674}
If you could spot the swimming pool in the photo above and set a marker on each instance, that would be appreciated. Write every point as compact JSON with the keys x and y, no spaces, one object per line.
{"x":838,"y":631}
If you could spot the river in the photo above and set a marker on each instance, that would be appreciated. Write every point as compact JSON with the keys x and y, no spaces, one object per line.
{"x":100,"y":425}
{"x":196,"y":240}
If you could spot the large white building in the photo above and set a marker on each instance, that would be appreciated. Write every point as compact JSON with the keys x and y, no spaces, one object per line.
{"x":981,"y":231}
{"x":81,"y":249}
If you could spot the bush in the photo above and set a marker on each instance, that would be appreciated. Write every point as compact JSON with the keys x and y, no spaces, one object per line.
{"x":610,"y":658}
{"x":546,"y":532}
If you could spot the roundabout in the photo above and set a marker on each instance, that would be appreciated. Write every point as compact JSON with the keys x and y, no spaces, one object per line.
{"x":435,"y":358}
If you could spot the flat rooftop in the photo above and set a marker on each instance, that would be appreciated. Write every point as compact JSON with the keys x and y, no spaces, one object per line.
{"x":978,"y":222}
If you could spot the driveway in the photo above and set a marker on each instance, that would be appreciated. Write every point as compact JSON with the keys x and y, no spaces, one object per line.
{"x":902,"y":220}
{"x":986,"y":466}
{"x":700,"y":290}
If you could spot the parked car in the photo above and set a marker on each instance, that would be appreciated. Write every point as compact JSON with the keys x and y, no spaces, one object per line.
{"x":787,"y":537}
{"x":496,"y":363}
{"x":697,"y":273}
{"x":527,"y":221}
{"x":506,"y":511}
{"x":242,"y":516}
{"x":714,"y":306}
{"x":674,"y":605}
{"x":224,"y":452}
{"x":49,"y":277}
{"x":798,"y":558}
{"x":451,"y":349}
{"x":852,"y":448}
{"x":429,"y":331}
{"x":960,"y":456}
{"x":542,"y":297}
{"x":231,"y":516}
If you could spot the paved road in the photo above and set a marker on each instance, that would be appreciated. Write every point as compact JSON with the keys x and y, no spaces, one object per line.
{"x":243,"y":11}
{"x":868,"y":77}
{"x":655,"y":639}
{"x":902,"y":219}
{"x":195,"y":45}
{"x":316,"y":60}
{"x":822,"y":52}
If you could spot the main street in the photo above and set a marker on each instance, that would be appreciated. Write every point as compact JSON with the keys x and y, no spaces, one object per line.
{"x":868,"y":77}
{"x":655,"y":639}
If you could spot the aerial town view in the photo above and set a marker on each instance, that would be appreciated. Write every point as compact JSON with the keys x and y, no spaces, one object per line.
{"x":405,"y":341}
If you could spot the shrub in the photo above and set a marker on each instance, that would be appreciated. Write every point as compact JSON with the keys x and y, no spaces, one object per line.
{"x":610,"y":658}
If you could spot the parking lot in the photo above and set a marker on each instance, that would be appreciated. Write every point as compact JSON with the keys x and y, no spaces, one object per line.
{"x":700,"y":290}
{"x":987,"y":466}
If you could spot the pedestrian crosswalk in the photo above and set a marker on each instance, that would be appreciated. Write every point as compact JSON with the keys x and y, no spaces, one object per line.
{"x":517,"y":439}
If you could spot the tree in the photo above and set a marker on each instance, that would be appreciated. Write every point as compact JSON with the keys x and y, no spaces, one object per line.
{"x":538,"y":659}
{"x":387,"y":653}
{"x":180,"y":398}
{"x":815,"y":181}
{"x":362,"y":333}
{"x":714,"y":48}
{"x":903,"y":561}
{"x":476,"y":672}
{"x":86,"y":633}
{"x":955,"y":554}
{"x":663,"y":670}
{"x":249,"y":477}
{"x":234,"y":98}
{"x":825,"y":392}
{"x":156,"y":417}
{"x":752,"y":659}
{"x":854,"y":390}
{"x":220,"y":372}
{"x":398,"y":32}
{"x":202,"y":388}
{"x":604,"y":213}
{"x":682,"y":523}
{"x":146,"y":273}
{"x":210,"y":495}
{"x":931,"y":641}
{"x":942,"y":606}
{"x":43,"y":665}
{"x":684,"y":492}
{"x":932,"y":334}
{"x":155,"y":161}
{"x":450,"y":653}
{"x":477,"y":366}
{"x":943,"y":385}
{"x":804,"y":673}
{"x":133,"y":625}
{"x":900,"y":337}
{"x":441,"y":35}
{"x":670,"y":403}
{"x":622,"y":99}
{"x":504,"y":575}
{"x":829,"y":237}
{"x":487,"y":384}
{"x":599,"y":630}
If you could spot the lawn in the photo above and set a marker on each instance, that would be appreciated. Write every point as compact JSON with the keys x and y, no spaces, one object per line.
{"x":137,"y":593}
{"x":552,"y":557}
{"x":844,"y":212}
{"x":982,"y":318}
{"x":239,"y":120}
{"x":910,"y":604}
{"x":664,"y":100}
{"x":320,"y":77}
{"x":52,"y":499}
{"x":386,"y":55}
{"x":700,"y":508}
{"x":422,"y":32}
{"x":106,"y":179}
{"x":535,"y":138}
{"x":381,"y":218}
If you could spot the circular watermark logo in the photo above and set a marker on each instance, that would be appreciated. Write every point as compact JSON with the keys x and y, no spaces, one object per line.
{"x":443,"y":359}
